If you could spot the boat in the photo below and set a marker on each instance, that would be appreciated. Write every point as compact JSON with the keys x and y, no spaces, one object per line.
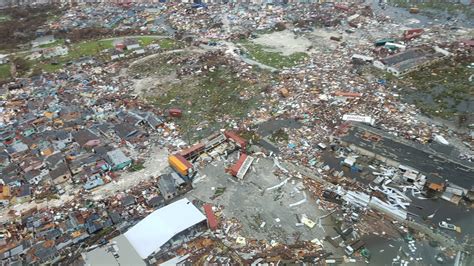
{"x":449,"y":226}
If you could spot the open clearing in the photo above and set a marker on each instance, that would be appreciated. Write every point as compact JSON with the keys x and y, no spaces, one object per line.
{"x":260,"y":204}
{"x":284,"y":42}
{"x":444,"y":89}
{"x":208,"y":87}
{"x":277,"y":49}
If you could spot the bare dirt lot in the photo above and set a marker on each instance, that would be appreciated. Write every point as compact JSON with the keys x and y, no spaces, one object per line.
{"x":262,"y":207}
{"x":285,"y":42}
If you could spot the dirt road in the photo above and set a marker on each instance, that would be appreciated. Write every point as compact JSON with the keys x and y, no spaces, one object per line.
{"x":154,"y":166}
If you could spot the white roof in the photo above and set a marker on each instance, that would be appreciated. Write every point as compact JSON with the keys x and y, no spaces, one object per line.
{"x":359,"y":118}
{"x":161,"y":225}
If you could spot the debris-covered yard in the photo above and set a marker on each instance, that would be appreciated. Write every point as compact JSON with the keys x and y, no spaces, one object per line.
{"x":272,"y":56}
{"x":263,"y":202}
{"x":211,"y":91}
{"x":445,"y":88}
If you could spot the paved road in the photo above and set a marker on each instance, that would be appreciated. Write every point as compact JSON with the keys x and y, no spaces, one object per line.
{"x":434,"y":165}
{"x":402,"y":16}
{"x":155,"y":164}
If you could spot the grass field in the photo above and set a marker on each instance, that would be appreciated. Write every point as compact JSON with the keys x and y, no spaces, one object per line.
{"x":211,"y":100}
{"x":83,"y":49}
{"x":55,"y":43}
{"x":170,"y":44}
{"x":76,"y":51}
{"x":4,"y":71}
{"x":451,"y":8}
{"x":444,"y":89}
{"x":274,"y":59}
{"x":4,"y":18}
{"x":146,"y":40}
{"x":88,"y":48}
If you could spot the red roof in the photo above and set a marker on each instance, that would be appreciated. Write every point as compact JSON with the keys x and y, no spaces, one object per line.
{"x":183,"y":160}
{"x":341,"y":7}
{"x":411,"y":34}
{"x":239,"y":140}
{"x":175,"y":112}
{"x":236,"y":167}
{"x":189,"y":151}
{"x":348,"y":94}
{"x":468,"y":42}
{"x":211,"y":217}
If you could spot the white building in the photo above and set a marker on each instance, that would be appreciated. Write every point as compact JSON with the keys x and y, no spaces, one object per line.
{"x":3,"y":59}
{"x":43,"y":40}
{"x":151,"y":233}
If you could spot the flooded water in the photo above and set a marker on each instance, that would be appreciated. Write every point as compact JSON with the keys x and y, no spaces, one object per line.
{"x":383,"y":251}
{"x":335,"y":163}
{"x":268,"y":127}
{"x":423,"y":19}
{"x":459,"y":215}
{"x":429,"y":98}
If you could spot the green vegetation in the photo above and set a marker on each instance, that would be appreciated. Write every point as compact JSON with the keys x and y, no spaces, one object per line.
{"x":218,"y":192}
{"x":371,"y":72}
{"x":250,"y":135}
{"x":25,"y":20}
{"x":55,"y":43}
{"x":444,"y":89}
{"x":22,"y":65}
{"x":170,"y":44}
{"x":93,"y":48}
{"x":273,"y":59}
{"x":165,"y":44}
{"x":4,"y":18}
{"x":48,"y":67}
{"x":76,"y":51}
{"x":4,"y":71}
{"x":279,"y":136}
{"x":436,"y":5}
{"x":88,"y":48}
{"x":136,"y":167}
{"x":146,"y":40}
{"x":210,"y":100}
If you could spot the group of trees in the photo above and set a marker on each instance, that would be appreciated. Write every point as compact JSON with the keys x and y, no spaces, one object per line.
{"x":22,"y":23}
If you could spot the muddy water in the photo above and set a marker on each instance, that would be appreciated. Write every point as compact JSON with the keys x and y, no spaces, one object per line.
{"x":384,"y":250}
{"x":268,"y":127}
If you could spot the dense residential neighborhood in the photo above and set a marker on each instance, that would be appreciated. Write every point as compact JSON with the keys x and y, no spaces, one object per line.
{"x":236,"y":132}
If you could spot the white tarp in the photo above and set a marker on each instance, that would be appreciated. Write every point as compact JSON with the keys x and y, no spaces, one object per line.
{"x":161,"y":225}
{"x":359,"y":118}
{"x":441,"y":139}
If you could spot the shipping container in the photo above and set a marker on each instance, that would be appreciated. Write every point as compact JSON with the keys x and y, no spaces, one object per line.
{"x":211,"y":217}
{"x":232,"y":136}
{"x":180,"y":164}
{"x":382,"y":42}
{"x":236,"y":167}
{"x":192,"y":151}
{"x":175,"y":112}
{"x":348,"y":94}
{"x":414,"y":10}
{"x":411,"y":34}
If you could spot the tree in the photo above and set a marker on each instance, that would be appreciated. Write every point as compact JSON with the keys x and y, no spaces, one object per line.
{"x":20,"y":65}
{"x":280,"y":26}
